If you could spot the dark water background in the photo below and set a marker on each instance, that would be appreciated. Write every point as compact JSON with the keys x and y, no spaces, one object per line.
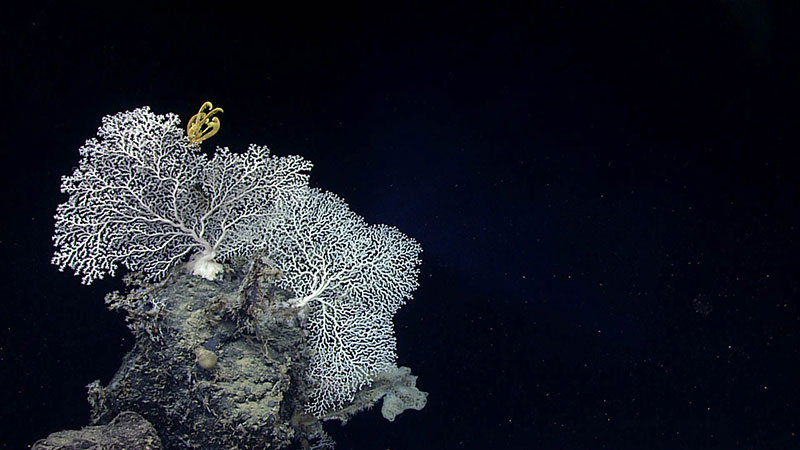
{"x":606,"y":193}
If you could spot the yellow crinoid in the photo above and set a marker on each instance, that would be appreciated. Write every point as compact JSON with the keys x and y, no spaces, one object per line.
{"x":202,"y":126}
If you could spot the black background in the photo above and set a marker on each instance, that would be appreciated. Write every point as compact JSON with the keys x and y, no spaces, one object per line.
{"x":605,"y":192}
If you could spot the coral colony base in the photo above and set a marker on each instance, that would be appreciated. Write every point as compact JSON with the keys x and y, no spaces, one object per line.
{"x":272,"y":301}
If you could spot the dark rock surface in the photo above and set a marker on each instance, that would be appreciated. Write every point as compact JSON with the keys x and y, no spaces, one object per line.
{"x":216,"y":364}
{"x":127,"y":431}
